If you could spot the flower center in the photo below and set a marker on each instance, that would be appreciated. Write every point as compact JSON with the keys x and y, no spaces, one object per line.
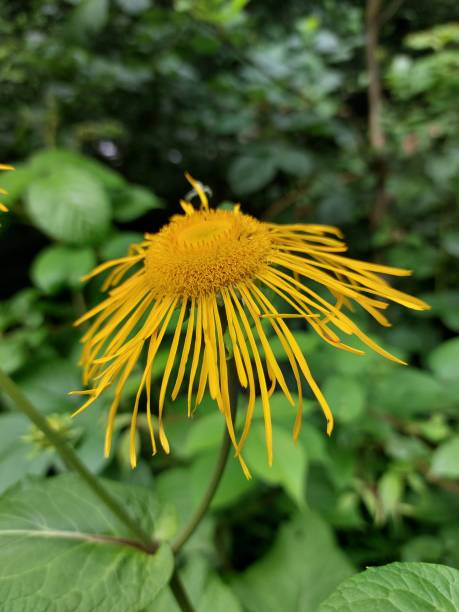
{"x":204,"y":231}
{"x":203,"y":252}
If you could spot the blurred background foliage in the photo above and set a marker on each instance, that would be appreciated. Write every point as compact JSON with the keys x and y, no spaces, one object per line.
{"x":322,"y":111}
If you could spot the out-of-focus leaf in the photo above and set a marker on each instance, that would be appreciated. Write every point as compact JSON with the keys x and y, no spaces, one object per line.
{"x":17,"y":458}
{"x":302,"y":568}
{"x":294,"y":161}
{"x":16,"y":182}
{"x":445,"y":304}
{"x":46,"y":160}
{"x":450,"y":242}
{"x":206,"y":590}
{"x":48,"y":384}
{"x":44,"y":522}
{"x":399,"y":586}
{"x":390,"y":490}
{"x":249,"y":173}
{"x":57,"y":267}
{"x":445,"y":459}
{"x":118,"y":245}
{"x":346,"y":397}
{"x":69,"y":205}
{"x":408,"y":391}
{"x":13,"y":353}
{"x":232,"y":486}
{"x":423,"y":548}
{"x":289,"y":460}
{"x":132,"y":202}
{"x":444,"y":360}
{"x":134,"y":7}
{"x":91,"y":15}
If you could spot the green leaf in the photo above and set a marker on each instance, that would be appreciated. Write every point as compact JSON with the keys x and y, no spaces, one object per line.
{"x":13,"y":353}
{"x":302,"y":568}
{"x":59,"y":549}
{"x":398,"y":587}
{"x":16,"y":183}
{"x":91,"y":15}
{"x":48,"y":384}
{"x":133,"y":202}
{"x":204,"y":434}
{"x":69,"y":205}
{"x":445,"y":304}
{"x":16,"y":457}
{"x":206,"y":590}
{"x":450,"y":242}
{"x":444,"y":360}
{"x":58,"y":266}
{"x":118,"y":244}
{"x":44,"y":160}
{"x":232,"y":487}
{"x":345,"y":396}
{"x":408,"y":391}
{"x":249,"y":173}
{"x":293,"y":161}
{"x":218,"y":597}
{"x":289,"y":460}
{"x":134,"y":7}
{"x":390,"y":490}
{"x":423,"y":548}
{"x":445,"y":459}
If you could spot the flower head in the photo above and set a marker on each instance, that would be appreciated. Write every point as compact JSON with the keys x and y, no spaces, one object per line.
{"x":217,"y":268}
{"x":3,"y":208}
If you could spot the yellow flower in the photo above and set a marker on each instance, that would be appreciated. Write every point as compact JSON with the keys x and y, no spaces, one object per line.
{"x":3,"y":208}
{"x":214,"y":267}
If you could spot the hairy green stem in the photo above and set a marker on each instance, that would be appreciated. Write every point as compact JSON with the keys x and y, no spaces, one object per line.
{"x":72,"y":460}
{"x":217,"y":475}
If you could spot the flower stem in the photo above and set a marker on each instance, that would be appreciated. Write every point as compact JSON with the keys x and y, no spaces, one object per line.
{"x":212,"y":487}
{"x":72,"y":460}
{"x":180,"y":594}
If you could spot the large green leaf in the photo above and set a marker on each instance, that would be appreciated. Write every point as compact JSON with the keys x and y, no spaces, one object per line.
{"x":59,"y":549}
{"x":302,"y":568}
{"x":398,"y":587}
{"x":69,"y":205}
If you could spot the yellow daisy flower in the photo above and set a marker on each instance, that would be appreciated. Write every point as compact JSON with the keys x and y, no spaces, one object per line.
{"x":214,"y":268}
{"x":3,"y":208}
